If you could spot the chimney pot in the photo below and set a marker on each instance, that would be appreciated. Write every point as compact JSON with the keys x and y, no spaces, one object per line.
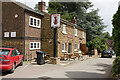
{"x":41,"y":6}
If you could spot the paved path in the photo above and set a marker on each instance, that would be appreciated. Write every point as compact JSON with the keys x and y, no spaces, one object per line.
{"x":91,"y":68}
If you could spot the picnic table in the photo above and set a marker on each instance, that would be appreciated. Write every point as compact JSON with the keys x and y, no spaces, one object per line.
{"x":77,"y":54}
{"x":68,"y":55}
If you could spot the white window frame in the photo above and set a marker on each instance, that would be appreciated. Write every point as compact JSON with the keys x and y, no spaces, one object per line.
{"x":64,"y":29}
{"x":34,"y":46}
{"x":13,"y":33}
{"x":75,"y":30}
{"x":37,"y":19}
{"x":63,"y":48}
{"x":76,"y":47}
{"x":6,"y":34}
{"x":83,"y":34}
{"x":30,"y":21}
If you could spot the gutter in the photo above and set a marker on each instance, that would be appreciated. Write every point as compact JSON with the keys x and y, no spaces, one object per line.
{"x":38,"y":13}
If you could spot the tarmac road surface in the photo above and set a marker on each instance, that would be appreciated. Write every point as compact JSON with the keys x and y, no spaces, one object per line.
{"x":91,"y":68}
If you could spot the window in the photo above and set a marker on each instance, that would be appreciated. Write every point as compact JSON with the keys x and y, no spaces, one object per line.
{"x":38,"y":45}
{"x":18,"y":53}
{"x":31,"y":21}
{"x":76,"y":47}
{"x":75,"y":32}
{"x":6,"y":34}
{"x":31,"y":45}
{"x":34,"y":22}
{"x":34,"y":45}
{"x":13,"y":34}
{"x":38,"y":22}
{"x":63,"y":47}
{"x":83,"y":34}
{"x":14,"y":53}
{"x":4,"y":52}
{"x":64,"y":29}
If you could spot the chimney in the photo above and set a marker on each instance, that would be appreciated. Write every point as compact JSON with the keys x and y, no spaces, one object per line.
{"x":41,"y":6}
{"x":74,"y":21}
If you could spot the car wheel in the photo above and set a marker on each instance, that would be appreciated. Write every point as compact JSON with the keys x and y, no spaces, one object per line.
{"x":21,"y":63}
{"x":110,"y":56}
{"x":13,"y":68}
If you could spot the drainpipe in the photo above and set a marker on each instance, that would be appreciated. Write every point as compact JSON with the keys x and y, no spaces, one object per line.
{"x":24,"y":37}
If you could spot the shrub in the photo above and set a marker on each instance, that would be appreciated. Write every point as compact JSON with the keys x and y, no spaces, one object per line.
{"x":116,"y":67}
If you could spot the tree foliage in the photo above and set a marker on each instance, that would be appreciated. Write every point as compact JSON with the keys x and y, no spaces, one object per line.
{"x":116,"y":32}
{"x":116,"y":68}
{"x":98,"y":43}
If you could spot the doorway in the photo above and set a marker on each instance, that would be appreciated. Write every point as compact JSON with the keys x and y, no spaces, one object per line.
{"x":69,"y":47}
{"x":80,"y":46}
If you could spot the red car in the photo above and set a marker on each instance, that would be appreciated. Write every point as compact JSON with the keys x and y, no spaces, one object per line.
{"x":10,"y":58}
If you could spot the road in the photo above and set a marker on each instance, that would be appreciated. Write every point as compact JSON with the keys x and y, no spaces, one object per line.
{"x":91,"y":68}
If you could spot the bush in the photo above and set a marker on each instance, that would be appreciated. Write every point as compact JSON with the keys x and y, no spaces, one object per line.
{"x":116,"y":68}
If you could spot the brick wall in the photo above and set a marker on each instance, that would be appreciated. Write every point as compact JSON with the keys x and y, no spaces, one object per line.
{"x":47,"y":34}
{"x":12,"y":24}
{"x":69,"y":38}
{"x":31,"y":35}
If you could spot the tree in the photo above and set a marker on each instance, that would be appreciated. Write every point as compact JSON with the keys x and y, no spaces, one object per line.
{"x":116,"y":32}
{"x":98,"y":43}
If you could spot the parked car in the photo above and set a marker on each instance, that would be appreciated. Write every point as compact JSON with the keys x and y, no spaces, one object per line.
{"x":10,"y":58}
{"x":106,"y":53}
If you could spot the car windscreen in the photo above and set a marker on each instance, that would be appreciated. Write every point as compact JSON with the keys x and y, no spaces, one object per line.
{"x":4,"y":52}
{"x":106,"y":51}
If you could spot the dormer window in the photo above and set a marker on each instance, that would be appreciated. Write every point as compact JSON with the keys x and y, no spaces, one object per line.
{"x":75,"y":32}
{"x":64,"y":29}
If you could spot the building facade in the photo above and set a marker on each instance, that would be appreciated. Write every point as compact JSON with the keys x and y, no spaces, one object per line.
{"x":21,"y":28}
{"x":70,"y":38}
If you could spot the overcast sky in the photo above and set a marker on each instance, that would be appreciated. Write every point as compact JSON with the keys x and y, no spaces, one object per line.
{"x":107,"y":9}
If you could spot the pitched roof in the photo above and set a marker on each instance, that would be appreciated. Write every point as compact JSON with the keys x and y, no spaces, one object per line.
{"x":24,"y":6}
{"x":70,"y":23}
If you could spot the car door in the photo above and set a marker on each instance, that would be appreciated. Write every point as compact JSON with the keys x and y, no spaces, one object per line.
{"x":19,"y":56}
{"x":14,"y":57}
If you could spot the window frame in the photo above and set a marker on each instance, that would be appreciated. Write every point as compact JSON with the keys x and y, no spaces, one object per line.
{"x":12,"y":33}
{"x":64,"y":48}
{"x":75,"y":47}
{"x":76,"y":33}
{"x":36,"y":22}
{"x":35,"y":47}
{"x":6,"y":35}
{"x":64,"y":29}
{"x":83,"y":34}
